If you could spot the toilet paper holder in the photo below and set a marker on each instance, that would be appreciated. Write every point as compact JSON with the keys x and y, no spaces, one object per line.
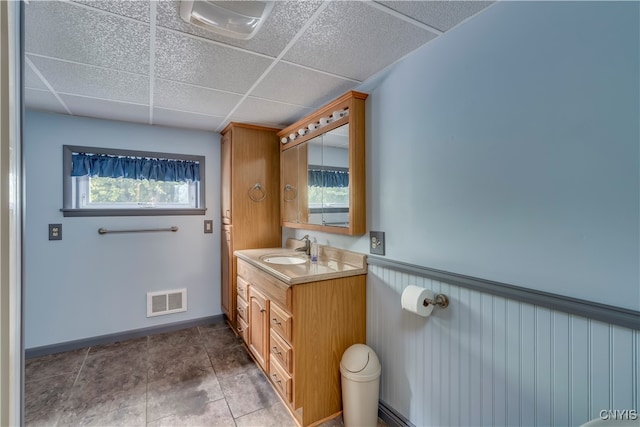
{"x":440,"y":300}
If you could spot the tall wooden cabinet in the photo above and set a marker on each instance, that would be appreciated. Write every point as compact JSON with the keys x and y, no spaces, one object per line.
{"x":250,"y":200}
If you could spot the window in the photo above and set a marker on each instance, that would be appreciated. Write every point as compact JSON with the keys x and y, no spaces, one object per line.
{"x":103,"y":182}
{"x":328,"y":189}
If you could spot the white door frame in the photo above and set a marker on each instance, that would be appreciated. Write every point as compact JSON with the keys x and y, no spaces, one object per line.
{"x":11,"y":343}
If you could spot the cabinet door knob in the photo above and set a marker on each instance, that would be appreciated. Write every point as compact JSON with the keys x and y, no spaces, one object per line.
{"x":262,"y":310}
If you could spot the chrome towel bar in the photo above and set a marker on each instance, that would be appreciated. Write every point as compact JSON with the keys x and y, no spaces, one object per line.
{"x":139,"y":230}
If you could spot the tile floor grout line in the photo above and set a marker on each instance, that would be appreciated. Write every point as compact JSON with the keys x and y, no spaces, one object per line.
{"x":84,"y":360}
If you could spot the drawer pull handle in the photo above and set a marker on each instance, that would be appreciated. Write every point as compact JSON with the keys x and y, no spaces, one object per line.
{"x":275,"y":351}
{"x":240,"y":329}
{"x":262,"y":310}
{"x":275,"y":320}
{"x":275,"y":378}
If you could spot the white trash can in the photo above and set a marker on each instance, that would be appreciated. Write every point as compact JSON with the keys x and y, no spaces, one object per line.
{"x":360,"y":369}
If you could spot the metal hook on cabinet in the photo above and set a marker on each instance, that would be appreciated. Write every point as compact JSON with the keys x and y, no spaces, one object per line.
{"x":289,"y":187}
{"x":257,"y":187}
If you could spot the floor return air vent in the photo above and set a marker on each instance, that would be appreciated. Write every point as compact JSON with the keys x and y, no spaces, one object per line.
{"x":166,"y":302}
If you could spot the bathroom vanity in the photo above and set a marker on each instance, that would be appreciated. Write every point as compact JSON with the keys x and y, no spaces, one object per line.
{"x":297,"y":318}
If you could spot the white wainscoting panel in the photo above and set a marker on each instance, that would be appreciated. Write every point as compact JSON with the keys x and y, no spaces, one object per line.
{"x":487,"y":360}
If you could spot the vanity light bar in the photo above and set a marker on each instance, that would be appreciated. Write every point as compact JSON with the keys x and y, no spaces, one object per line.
{"x":337,"y":115}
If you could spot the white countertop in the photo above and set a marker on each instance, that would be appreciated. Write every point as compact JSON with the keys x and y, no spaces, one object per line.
{"x":332,"y":263}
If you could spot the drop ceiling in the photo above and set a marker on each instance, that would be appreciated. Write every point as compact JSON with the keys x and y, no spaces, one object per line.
{"x":138,"y":61}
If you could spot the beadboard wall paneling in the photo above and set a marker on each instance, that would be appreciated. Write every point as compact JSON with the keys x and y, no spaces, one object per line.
{"x":488,"y":360}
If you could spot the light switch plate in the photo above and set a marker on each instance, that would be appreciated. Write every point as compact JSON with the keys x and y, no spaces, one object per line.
{"x":376,"y":242}
{"x":55,"y":231}
{"x":208,"y":226}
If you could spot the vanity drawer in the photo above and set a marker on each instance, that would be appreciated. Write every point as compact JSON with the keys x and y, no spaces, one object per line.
{"x":243,"y":329}
{"x":242,"y":309}
{"x":275,"y":289}
{"x":281,"y":322}
{"x":280,"y":379}
{"x":281,"y":350}
{"x":243,"y":288}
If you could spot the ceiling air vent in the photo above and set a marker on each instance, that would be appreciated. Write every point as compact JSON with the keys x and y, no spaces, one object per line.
{"x":166,"y":302}
{"x":236,"y":19}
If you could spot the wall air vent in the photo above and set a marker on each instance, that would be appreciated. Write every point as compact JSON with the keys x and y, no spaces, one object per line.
{"x":166,"y":302}
{"x":235,"y":19}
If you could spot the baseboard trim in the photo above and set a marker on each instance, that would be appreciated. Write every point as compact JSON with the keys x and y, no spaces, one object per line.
{"x":392,"y":418}
{"x":119,"y":336}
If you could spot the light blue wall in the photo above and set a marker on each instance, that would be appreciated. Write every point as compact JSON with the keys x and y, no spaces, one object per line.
{"x":89,"y":285}
{"x":508,"y":150}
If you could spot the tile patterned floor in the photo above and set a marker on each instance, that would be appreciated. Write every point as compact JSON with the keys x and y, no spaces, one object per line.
{"x":197,"y":376}
{"x":200,"y":376}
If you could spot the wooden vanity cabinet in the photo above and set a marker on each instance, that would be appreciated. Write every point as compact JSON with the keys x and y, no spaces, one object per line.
{"x":258,"y":326}
{"x":308,"y":328}
{"x":249,"y":200}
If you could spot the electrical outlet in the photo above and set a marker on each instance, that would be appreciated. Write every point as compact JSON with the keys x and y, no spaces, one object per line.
{"x":376,"y":240}
{"x":55,"y":231}
{"x":208,"y":226}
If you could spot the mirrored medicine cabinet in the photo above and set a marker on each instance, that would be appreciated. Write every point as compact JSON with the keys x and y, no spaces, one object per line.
{"x":322,"y":168}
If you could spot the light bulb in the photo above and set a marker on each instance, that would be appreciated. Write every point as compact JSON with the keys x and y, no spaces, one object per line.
{"x":338,"y":114}
{"x":284,"y":140}
{"x":302,"y":131}
{"x":312,"y":126}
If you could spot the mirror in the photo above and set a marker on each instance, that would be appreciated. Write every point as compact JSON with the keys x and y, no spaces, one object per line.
{"x":322,"y":169}
{"x":328,"y":178}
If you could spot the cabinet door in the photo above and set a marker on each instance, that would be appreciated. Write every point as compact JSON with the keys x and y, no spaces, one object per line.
{"x":289,"y":185}
{"x":226,"y":282}
{"x":225,"y":178}
{"x":259,"y":326}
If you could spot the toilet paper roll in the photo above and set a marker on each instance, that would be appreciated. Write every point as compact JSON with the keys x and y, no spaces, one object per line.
{"x":413,"y":300}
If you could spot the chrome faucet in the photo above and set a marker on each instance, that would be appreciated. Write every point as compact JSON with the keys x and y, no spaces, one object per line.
{"x":307,"y":245}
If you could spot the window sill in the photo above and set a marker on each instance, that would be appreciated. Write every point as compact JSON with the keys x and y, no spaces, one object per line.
{"x":131,"y":212}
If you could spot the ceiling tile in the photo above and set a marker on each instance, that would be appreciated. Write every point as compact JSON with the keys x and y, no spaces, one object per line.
{"x":109,"y":110}
{"x":296,"y":85}
{"x":85,"y":80}
{"x":136,"y":9}
{"x":184,"y":97}
{"x":31,"y":79}
{"x":354,"y":40}
{"x":442,"y":15}
{"x":76,"y":33}
{"x":284,"y":21}
{"x":35,"y":99}
{"x":202,"y":63}
{"x":183,"y":119}
{"x":261,"y":111}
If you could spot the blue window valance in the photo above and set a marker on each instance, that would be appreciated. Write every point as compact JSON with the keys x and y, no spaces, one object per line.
{"x":102,"y":165}
{"x":328,"y":178}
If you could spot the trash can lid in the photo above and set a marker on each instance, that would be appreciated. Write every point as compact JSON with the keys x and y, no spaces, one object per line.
{"x":360,"y":362}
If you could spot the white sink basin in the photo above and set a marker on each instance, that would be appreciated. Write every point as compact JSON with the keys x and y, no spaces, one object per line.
{"x":285,"y":260}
